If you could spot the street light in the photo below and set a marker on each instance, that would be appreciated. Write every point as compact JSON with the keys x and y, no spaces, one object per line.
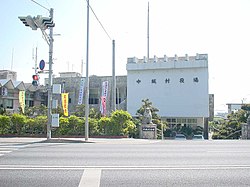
{"x":44,"y":23}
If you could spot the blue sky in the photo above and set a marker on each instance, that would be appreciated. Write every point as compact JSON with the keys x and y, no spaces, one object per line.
{"x":219,"y":28}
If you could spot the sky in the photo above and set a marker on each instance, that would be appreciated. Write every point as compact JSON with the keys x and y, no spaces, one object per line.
{"x":219,"y":28}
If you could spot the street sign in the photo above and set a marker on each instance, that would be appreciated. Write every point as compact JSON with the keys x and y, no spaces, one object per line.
{"x":42,"y":65}
{"x":55,"y":120}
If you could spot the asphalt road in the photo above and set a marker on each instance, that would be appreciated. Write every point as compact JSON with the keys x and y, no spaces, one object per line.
{"x":124,"y":162}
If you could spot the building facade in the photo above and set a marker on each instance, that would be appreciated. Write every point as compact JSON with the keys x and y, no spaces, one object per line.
{"x":70,"y":83}
{"x":10,"y":88}
{"x":177,"y":86}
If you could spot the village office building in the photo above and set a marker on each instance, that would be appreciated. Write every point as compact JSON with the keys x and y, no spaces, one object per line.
{"x":177,"y":86}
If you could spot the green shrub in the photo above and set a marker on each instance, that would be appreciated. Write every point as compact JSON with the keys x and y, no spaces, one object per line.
{"x":18,"y":122}
{"x":4,"y":124}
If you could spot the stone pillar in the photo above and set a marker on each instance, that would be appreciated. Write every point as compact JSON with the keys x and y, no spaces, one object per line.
{"x":148,"y":131}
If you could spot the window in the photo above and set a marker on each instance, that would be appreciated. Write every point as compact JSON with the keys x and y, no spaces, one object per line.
{"x":93,"y":96}
{"x":9,"y":103}
{"x":30,"y":103}
{"x":93,"y":101}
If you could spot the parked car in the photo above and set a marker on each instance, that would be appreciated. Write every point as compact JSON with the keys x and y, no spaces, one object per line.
{"x":198,"y":137}
{"x":180,"y":137}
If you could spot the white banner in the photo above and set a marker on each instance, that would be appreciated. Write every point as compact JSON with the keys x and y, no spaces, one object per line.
{"x":104,"y":97}
{"x":105,"y":88}
{"x":81,"y":91}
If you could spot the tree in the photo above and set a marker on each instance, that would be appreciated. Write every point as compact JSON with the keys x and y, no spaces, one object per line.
{"x":79,"y":111}
{"x":94,"y":113}
{"x":156,"y":119}
{"x":35,"y":111}
{"x":121,"y":123}
{"x":231,"y":127}
{"x":147,"y":104}
{"x":104,"y":124}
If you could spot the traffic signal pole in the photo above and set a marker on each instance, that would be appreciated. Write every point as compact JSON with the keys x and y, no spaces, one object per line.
{"x":44,"y":23}
{"x":50,"y":78}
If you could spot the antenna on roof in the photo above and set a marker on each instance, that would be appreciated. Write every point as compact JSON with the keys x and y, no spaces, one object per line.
{"x":148,"y":34}
{"x":12,"y":59}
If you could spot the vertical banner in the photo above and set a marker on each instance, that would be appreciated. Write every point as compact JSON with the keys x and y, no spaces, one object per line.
{"x":104,"y":98}
{"x":81,"y":91}
{"x":22,"y":100}
{"x":65,"y":99}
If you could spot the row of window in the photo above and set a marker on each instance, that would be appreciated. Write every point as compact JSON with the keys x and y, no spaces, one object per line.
{"x":95,"y":101}
{"x":182,"y":120}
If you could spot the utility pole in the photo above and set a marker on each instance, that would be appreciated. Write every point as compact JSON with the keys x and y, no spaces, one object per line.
{"x":87,"y":81}
{"x":44,"y":23}
{"x":50,"y":77}
{"x":148,"y":34}
{"x":113,"y":77}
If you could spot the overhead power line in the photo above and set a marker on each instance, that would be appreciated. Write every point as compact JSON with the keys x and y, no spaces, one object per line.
{"x":99,"y":21}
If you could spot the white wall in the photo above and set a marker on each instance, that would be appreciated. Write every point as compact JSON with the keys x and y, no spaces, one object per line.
{"x":173,"y":99}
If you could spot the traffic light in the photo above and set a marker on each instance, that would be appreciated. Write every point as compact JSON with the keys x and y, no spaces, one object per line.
{"x":37,"y":22}
{"x":44,"y":22}
{"x":35,"y":80}
{"x":28,"y":22}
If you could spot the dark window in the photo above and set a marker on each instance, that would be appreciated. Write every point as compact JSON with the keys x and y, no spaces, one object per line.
{"x":93,"y":101}
{"x":93,"y":96}
{"x":30,"y":103}
{"x":9,"y":103}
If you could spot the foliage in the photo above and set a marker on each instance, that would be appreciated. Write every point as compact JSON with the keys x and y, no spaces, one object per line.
{"x":35,"y":123}
{"x":63,"y":127}
{"x":40,"y":124}
{"x":36,"y":111}
{"x":104,"y":124}
{"x":93,"y":127}
{"x":75,"y":125}
{"x":58,"y":110}
{"x":4,"y":124}
{"x":94,"y":113}
{"x":147,"y":104}
{"x":18,"y":122}
{"x":79,"y":110}
{"x":121,"y":123}
{"x":2,"y":110}
{"x":246,"y":107}
{"x":229,"y":128}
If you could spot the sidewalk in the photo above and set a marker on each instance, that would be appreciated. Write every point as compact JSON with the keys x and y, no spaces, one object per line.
{"x":20,"y":140}
{"x":27,"y":140}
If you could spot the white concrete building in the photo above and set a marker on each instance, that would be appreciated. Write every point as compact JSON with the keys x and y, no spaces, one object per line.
{"x":177,"y":86}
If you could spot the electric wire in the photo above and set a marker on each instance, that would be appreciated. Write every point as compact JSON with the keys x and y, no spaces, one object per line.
{"x":99,"y":21}
{"x":40,"y":5}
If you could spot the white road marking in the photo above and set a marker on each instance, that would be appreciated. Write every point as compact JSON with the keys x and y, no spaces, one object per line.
{"x":170,"y":167}
{"x":91,"y":178}
{"x":229,"y":151}
{"x":5,"y":151}
{"x":8,"y":148}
